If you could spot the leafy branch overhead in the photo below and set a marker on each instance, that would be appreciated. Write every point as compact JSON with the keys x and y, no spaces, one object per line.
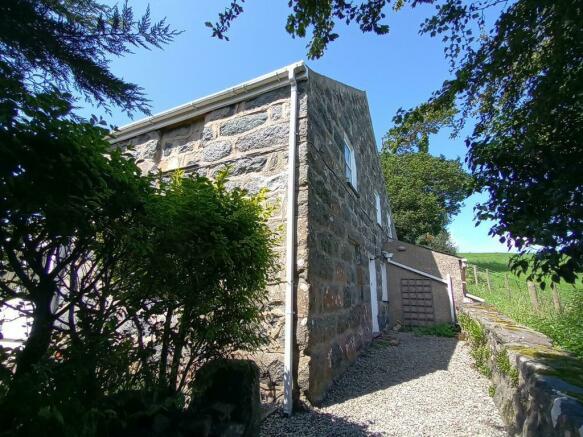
{"x":67,"y":46}
{"x":320,"y":18}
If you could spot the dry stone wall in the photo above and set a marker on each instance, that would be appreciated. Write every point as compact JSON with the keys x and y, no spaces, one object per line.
{"x":251,"y":137}
{"x":538,"y":389}
{"x":341,"y":234}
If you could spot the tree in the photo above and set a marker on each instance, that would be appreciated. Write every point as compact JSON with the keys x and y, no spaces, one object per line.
{"x":321,"y":17}
{"x":78,"y":223}
{"x":440,"y":242}
{"x":61,"y":189}
{"x":60,"y":45}
{"x":426,"y":191}
{"x":521,"y":81}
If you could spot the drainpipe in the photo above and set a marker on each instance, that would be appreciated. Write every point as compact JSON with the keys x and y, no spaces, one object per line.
{"x":290,"y":249}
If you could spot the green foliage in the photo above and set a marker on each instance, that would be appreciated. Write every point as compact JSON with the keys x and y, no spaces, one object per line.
{"x":491,"y":391}
{"x":503,"y":364}
{"x":425,"y":192}
{"x":203,"y":257}
{"x":525,"y":150}
{"x":60,"y":45}
{"x":320,"y":17}
{"x":441,"y":330}
{"x":440,"y":242}
{"x":478,"y":342}
{"x":127,"y":284}
{"x":177,"y":276}
{"x":411,"y":130}
{"x":565,"y":328}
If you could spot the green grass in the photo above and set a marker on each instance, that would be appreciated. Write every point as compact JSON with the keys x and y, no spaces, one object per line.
{"x":564,"y":328}
{"x":478,"y":343}
{"x":441,"y":330}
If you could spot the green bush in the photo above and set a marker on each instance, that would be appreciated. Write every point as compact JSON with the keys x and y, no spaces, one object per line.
{"x":478,"y":342}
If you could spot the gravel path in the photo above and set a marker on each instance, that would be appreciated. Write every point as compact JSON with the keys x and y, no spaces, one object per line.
{"x":426,"y":386}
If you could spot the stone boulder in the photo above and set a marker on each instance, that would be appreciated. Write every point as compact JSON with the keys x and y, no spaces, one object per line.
{"x":227,"y":392}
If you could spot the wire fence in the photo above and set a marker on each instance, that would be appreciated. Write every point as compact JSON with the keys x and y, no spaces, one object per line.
{"x":505,"y":287}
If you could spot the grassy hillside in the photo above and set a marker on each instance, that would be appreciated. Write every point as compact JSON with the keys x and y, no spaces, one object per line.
{"x":509,"y":293}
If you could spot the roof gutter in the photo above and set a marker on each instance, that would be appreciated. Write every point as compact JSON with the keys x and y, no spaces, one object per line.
{"x":268,"y":82}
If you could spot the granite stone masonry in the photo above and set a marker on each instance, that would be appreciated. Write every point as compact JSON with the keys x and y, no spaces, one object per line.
{"x":343,"y":216}
{"x":538,"y":389}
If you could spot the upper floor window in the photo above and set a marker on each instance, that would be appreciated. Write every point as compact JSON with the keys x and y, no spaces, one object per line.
{"x":377,"y":202}
{"x":349,"y":163}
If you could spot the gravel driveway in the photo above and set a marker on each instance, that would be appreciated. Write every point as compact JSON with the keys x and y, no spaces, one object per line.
{"x":425,"y":386}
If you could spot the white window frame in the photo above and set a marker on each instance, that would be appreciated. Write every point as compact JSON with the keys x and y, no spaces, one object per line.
{"x":374,"y":303}
{"x":389,"y":225}
{"x":377,"y":203}
{"x":384,"y":281}
{"x":349,"y":163}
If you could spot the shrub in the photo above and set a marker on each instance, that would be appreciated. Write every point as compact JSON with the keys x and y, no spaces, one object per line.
{"x":478,"y":342}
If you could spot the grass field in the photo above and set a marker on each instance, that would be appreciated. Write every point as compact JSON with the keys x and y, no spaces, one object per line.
{"x":509,"y":293}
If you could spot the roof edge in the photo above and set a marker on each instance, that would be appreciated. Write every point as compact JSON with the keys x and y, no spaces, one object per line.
{"x":242,"y":91}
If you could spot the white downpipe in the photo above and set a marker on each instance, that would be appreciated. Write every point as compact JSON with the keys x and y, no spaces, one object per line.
{"x":450,"y":296}
{"x":290,"y":248}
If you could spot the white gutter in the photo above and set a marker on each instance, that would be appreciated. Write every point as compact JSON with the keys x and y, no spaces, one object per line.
{"x":419,"y":272}
{"x":290,"y":272}
{"x":268,"y":82}
{"x":476,"y":298}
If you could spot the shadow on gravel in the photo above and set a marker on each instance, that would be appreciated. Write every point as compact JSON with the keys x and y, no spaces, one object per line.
{"x":313,"y":423}
{"x":382,"y":366}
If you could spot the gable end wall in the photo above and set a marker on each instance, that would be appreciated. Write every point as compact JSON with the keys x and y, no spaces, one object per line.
{"x":342,"y":233}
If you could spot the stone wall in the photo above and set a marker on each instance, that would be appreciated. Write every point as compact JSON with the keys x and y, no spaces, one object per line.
{"x":341,"y":234}
{"x":252,"y":138}
{"x":439,"y":304}
{"x":538,"y":389}
{"x":337,"y":230}
{"x":432,"y":262}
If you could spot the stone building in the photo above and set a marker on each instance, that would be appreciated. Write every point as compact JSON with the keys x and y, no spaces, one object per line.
{"x":309,"y":140}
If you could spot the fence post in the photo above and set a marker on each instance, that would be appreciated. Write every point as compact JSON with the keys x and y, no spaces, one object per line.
{"x":475,"y":275}
{"x":488,"y":280}
{"x":556,"y":298}
{"x":532,"y":294}
{"x":507,"y":285}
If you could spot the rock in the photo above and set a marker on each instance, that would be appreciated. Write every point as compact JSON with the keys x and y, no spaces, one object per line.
{"x":228,"y":390}
{"x":242,"y":124}
{"x":144,"y":151}
{"x":207,"y":133}
{"x":248,"y":165}
{"x":265,"y":99}
{"x":397,"y":327}
{"x":216,"y":150}
{"x":266,"y":137}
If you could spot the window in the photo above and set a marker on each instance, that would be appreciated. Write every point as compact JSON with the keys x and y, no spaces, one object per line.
{"x":389,"y":225}
{"x":377,"y":202}
{"x":349,"y":164}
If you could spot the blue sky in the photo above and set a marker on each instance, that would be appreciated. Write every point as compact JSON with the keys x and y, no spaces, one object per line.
{"x":396,"y":70}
